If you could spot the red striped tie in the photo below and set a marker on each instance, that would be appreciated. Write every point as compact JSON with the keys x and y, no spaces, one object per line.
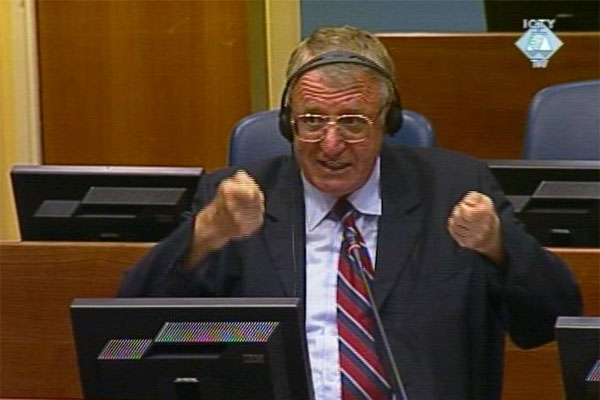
{"x":363,"y":376}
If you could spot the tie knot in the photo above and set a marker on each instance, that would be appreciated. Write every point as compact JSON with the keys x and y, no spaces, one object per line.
{"x":342,"y":209}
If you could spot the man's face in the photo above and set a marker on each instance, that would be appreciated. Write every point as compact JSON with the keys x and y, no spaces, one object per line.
{"x":331,"y":165}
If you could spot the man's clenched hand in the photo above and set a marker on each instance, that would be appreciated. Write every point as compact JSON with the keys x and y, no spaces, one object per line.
{"x":474,"y":224}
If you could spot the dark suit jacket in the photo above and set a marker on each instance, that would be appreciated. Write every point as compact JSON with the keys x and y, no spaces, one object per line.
{"x":444,"y":308}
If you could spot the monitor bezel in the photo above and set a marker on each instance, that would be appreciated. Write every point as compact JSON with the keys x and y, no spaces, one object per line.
{"x":289,"y":311}
{"x":34,"y":184}
{"x":575,"y":336}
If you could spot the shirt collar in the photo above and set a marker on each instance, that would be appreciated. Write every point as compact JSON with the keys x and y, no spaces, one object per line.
{"x":366,"y":200}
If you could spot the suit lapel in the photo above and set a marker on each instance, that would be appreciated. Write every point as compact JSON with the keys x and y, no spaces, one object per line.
{"x":400,"y":222}
{"x":283,"y":230}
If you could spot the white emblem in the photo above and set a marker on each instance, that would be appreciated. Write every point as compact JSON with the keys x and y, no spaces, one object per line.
{"x":539,"y":43}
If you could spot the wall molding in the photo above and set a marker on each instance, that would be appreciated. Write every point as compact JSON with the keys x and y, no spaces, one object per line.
{"x":20,"y":136}
{"x":282,"y":27}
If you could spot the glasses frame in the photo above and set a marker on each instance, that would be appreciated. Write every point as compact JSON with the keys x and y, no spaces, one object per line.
{"x":332,"y":120}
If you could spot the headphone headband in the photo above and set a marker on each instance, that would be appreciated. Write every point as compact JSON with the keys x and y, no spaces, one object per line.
{"x":335,"y":57}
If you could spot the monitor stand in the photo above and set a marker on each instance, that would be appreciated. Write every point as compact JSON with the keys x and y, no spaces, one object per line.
{"x":187,"y":389}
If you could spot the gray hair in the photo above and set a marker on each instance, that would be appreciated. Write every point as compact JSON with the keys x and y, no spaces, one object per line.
{"x":345,"y":38}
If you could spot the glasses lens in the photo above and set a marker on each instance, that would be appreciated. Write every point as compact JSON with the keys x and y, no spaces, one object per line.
{"x":353,"y":124}
{"x":351,"y":128}
{"x":310,"y":127}
{"x":311,"y":123}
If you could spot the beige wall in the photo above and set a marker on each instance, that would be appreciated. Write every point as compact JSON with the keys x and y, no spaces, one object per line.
{"x":282,"y":20}
{"x":19,"y":105}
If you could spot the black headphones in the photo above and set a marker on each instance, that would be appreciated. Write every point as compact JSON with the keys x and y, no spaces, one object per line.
{"x":393,"y":118}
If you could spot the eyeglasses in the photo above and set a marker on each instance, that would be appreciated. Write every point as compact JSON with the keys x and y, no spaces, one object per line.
{"x":352,"y":128}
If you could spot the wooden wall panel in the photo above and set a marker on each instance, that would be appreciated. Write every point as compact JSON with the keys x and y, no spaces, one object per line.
{"x":476,"y":88}
{"x":141,"y":82}
{"x":39,"y":281}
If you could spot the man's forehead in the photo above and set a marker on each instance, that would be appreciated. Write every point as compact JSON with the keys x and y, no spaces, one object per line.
{"x":339,"y":75}
{"x":315,"y":88}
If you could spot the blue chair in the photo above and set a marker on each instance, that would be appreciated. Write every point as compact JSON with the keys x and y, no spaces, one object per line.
{"x":257,"y":136}
{"x":564,"y":123}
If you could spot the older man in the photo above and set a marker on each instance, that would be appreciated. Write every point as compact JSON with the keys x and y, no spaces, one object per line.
{"x":450,"y":267}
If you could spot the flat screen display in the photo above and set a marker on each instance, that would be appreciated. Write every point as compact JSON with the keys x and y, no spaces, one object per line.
{"x":101,"y":203}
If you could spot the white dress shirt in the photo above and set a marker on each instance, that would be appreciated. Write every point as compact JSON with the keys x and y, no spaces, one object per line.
{"x":323,"y":242}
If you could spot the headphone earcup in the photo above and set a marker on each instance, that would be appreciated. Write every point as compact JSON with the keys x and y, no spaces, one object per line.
{"x":393,"y":119}
{"x":285,"y":123}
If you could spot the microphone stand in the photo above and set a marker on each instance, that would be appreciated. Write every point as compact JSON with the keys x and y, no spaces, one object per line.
{"x":353,"y":247}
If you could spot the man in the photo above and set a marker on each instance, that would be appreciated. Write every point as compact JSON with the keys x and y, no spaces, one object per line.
{"x":453,"y":269}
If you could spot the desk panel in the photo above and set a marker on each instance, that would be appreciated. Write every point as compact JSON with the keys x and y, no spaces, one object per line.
{"x":535,"y":374}
{"x":39,"y":280}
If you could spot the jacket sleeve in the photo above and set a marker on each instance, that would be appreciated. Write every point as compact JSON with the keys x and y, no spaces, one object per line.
{"x":536,"y":286}
{"x":161,"y":272}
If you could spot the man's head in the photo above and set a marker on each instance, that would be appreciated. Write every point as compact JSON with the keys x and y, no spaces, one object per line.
{"x":345,"y":38}
{"x":337,"y":111}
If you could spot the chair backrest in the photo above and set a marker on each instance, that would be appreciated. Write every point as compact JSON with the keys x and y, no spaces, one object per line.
{"x":257,"y":136}
{"x":564,"y":123}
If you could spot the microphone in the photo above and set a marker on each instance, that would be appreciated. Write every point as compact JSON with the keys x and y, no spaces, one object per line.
{"x":353,"y":251}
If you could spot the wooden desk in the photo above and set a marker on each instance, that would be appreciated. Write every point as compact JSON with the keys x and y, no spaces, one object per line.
{"x":535,"y":374}
{"x":39,"y":280}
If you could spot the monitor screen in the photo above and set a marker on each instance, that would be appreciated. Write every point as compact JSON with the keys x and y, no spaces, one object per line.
{"x":579,"y":349}
{"x":101,"y":203}
{"x":557,"y":200}
{"x":191,"y":348}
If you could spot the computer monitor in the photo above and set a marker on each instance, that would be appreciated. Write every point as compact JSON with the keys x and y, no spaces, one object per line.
{"x":557,"y":200}
{"x":579,"y":349}
{"x":101,"y":203}
{"x":192,"y":348}
{"x":522,"y":177}
{"x":569,"y":15}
